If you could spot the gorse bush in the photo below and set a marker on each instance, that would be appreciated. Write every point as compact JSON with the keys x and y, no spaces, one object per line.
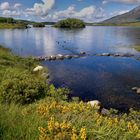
{"x":21,"y":87}
{"x":70,"y":23}
{"x":49,"y":119}
{"x":18,"y":83}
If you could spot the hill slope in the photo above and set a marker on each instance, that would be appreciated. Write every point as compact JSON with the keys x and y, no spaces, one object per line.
{"x":131,"y":16}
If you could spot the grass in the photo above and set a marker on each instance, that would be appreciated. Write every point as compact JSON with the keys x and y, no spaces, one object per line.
{"x":53,"y":117}
{"x":12,"y":26}
{"x":135,"y":24}
{"x":137,"y":48}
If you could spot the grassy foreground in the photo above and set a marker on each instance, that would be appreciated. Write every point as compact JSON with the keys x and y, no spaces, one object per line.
{"x":32,"y":109}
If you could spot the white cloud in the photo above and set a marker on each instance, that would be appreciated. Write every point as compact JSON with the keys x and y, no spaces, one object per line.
{"x":9,"y":13}
{"x":17,"y":5}
{"x":44,"y":11}
{"x":123,"y":1}
{"x":115,"y":13}
{"x":4,"y":6}
{"x":88,"y":14}
{"x":41,"y":9}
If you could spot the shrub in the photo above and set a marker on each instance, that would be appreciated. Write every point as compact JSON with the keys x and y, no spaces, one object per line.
{"x":70,"y":23}
{"x":38,"y":25}
{"x":22,"y":87}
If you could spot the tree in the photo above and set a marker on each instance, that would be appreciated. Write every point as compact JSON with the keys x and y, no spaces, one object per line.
{"x":70,"y":23}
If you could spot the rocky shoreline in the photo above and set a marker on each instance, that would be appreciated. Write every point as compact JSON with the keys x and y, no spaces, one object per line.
{"x":81,"y":54}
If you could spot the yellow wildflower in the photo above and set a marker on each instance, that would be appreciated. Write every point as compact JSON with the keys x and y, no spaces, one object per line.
{"x":74,"y":134}
{"x":83,"y":134}
{"x":51,"y":124}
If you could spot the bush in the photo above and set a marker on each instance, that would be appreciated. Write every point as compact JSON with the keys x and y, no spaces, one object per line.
{"x":70,"y":23}
{"x":21,"y":87}
{"x":38,"y":25}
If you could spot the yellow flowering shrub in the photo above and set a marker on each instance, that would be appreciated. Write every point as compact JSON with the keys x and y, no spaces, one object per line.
{"x":79,"y":121}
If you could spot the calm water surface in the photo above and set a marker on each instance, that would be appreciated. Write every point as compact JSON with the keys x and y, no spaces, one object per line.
{"x":106,"y":79}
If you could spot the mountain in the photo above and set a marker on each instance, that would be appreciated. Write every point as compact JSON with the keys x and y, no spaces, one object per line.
{"x":131,"y":16}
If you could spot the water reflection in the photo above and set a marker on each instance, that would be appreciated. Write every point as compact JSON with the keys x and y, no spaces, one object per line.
{"x":38,"y":42}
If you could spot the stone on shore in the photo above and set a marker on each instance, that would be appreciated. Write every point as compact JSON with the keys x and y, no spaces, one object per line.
{"x":95,"y":103}
{"x":38,"y":68}
{"x":105,"y":112}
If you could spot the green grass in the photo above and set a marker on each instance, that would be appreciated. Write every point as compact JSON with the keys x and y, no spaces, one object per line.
{"x":12,"y":26}
{"x":135,"y":24}
{"x":137,"y":48}
{"x":52,"y":117}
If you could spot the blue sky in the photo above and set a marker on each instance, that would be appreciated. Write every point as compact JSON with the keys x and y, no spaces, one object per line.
{"x":54,"y":10}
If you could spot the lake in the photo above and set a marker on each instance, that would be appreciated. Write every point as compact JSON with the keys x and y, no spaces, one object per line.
{"x":107,"y":79}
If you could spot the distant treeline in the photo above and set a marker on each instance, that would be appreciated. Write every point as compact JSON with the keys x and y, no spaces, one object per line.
{"x":12,"y":20}
{"x":7,"y":20}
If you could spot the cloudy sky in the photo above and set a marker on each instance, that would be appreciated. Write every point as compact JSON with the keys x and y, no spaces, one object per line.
{"x":54,"y":10}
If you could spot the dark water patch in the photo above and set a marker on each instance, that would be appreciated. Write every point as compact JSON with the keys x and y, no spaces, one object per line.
{"x":109,"y":80}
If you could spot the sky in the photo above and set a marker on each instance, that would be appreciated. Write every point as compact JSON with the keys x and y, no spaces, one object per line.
{"x":55,"y":10}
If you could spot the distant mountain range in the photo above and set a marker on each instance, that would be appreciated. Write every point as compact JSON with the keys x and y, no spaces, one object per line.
{"x":131,"y":16}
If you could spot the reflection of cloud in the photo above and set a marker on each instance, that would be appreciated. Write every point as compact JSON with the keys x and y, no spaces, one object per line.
{"x":38,"y":39}
{"x":8,"y":37}
{"x":44,"y":42}
{"x":48,"y":43}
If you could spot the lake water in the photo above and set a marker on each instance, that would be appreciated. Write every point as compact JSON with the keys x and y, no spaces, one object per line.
{"x":106,"y":79}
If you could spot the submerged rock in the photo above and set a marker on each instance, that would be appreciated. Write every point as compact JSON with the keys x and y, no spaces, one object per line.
{"x":68,"y":56}
{"x":106,"y":54}
{"x":59,"y":57}
{"x":53,"y":57}
{"x":82,"y":53}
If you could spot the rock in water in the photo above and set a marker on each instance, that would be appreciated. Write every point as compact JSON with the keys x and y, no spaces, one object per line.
{"x":138,"y":91}
{"x":135,"y":88}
